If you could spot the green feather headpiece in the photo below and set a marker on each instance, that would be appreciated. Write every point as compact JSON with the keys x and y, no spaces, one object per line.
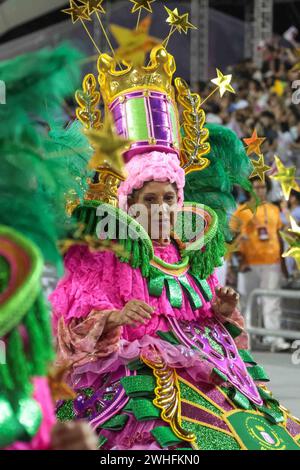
{"x":229,"y":166}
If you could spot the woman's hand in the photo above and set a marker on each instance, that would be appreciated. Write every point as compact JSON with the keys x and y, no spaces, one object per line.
{"x":73,"y":436}
{"x":135,"y":312}
{"x":226,"y":301}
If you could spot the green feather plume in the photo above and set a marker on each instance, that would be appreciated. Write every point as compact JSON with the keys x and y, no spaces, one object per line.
{"x":229,"y":166}
{"x":36,"y":85}
{"x":39,"y":168}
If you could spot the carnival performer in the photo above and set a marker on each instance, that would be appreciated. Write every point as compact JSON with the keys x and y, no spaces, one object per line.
{"x":159,"y":354}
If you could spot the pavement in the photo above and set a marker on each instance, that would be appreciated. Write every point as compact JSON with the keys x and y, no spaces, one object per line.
{"x":284,"y":373}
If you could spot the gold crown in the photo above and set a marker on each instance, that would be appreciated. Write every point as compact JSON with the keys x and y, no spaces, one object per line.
{"x":156,"y":76}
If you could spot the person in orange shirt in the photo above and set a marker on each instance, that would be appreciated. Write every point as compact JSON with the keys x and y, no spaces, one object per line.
{"x":260,"y":256}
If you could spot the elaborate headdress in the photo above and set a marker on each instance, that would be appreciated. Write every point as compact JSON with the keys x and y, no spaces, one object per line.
{"x":143,"y":104}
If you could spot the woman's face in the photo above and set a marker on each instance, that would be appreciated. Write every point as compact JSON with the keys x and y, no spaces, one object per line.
{"x":155,"y":207}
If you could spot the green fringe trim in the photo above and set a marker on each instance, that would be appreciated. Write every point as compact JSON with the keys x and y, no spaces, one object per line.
{"x":144,"y":409}
{"x":117,"y":423}
{"x":24,"y":362}
{"x":203,"y":263}
{"x":139,"y":385}
{"x":4,"y":274}
{"x":139,"y":251}
{"x":165,"y":436}
{"x":258,"y":373}
{"x":17,"y":305}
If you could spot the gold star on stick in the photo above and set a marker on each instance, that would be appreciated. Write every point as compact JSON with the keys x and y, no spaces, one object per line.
{"x":260,"y":168}
{"x":295,"y":229}
{"x":108,"y":148}
{"x":77,"y":12}
{"x":93,"y":6}
{"x":286,"y":177}
{"x":292,"y":237}
{"x":223,"y":83}
{"x":254,"y":143}
{"x":81,"y":14}
{"x":134,"y":44}
{"x":293,"y":252}
{"x":179,"y":22}
{"x":139,"y":4}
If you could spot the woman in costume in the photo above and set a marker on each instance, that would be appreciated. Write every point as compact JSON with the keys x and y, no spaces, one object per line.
{"x":37,"y":170}
{"x":160,"y":359}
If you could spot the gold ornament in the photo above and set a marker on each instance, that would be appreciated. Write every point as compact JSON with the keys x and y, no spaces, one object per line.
{"x":286,"y":177}
{"x":194,"y":144}
{"x":179,"y":22}
{"x":134,"y":43}
{"x":88,"y":99}
{"x":293,"y":252}
{"x":260,"y":168}
{"x":168,"y":396}
{"x":108,"y":148}
{"x":139,"y":4}
{"x":77,"y":12}
{"x":295,"y":229}
{"x":292,"y":237}
{"x":81,"y":14}
{"x":157,"y":76}
{"x":254,"y":143}
{"x":93,"y":6}
{"x":223,"y":83}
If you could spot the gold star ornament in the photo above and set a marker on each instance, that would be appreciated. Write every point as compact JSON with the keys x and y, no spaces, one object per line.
{"x":180,"y":22}
{"x":292,"y":237}
{"x":93,"y":6}
{"x":223,"y":83}
{"x":260,"y":168}
{"x":293,"y":252}
{"x":134,"y":43}
{"x":139,"y":4}
{"x":77,"y":12}
{"x":295,"y":229}
{"x":108,"y":148}
{"x":286,"y":177}
{"x":254,"y":143}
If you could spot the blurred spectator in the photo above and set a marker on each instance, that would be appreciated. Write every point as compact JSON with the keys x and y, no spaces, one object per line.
{"x":259,"y":251}
{"x":263,"y":100}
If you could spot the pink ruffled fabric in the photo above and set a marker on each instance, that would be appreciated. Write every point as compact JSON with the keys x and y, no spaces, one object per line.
{"x":99,"y":281}
{"x":78,"y":340}
{"x":42,"y":440}
{"x":179,"y":357}
{"x":152,"y":166}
